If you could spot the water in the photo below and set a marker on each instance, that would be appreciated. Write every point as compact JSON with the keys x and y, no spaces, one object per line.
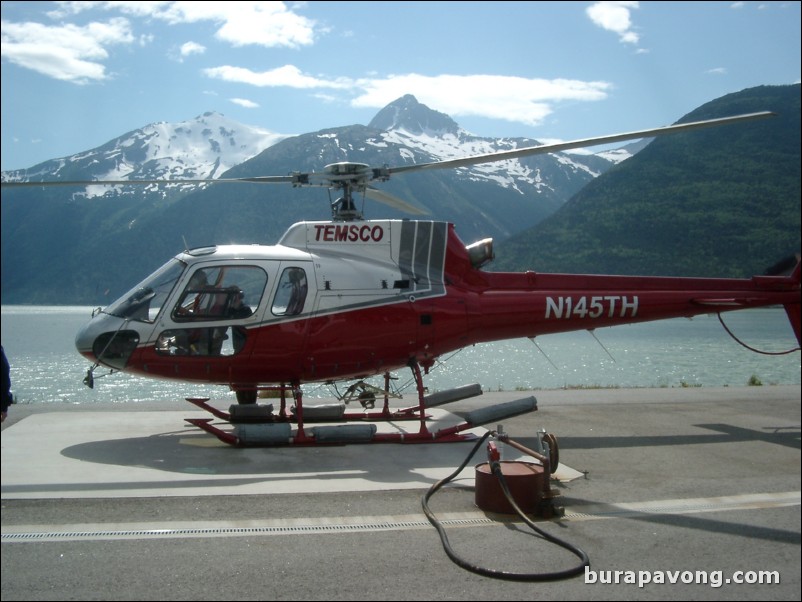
{"x":45,"y":368}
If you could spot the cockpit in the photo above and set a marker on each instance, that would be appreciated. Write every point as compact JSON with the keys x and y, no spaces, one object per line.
{"x":195,"y":308}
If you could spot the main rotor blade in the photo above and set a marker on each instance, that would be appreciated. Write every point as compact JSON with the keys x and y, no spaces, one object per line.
{"x":260,"y":180}
{"x":585,"y":142}
{"x":392,"y":201}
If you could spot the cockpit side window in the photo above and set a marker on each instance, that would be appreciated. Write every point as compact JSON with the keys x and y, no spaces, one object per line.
{"x":221,"y":293}
{"x":291,"y":294}
{"x":230,"y":294}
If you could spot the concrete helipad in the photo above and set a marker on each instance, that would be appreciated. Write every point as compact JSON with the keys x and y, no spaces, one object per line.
{"x":701,"y":486}
{"x":63,"y":454}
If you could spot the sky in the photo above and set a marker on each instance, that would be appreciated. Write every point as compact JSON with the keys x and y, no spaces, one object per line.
{"x":76,"y":75}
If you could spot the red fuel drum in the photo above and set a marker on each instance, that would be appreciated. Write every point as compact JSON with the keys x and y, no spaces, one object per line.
{"x":524,"y":480}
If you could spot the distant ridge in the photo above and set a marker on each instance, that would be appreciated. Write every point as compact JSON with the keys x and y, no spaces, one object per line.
{"x":719,"y":202}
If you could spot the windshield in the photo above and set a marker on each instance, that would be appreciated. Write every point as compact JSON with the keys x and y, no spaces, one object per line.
{"x":146,"y":299}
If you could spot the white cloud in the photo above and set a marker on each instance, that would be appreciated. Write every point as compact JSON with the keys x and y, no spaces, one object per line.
{"x":515,"y":99}
{"x":286,"y":76}
{"x":190,"y":48}
{"x":268,"y":24}
{"x":78,"y":53}
{"x":64,"y":52}
{"x":717,"y":71}
{"x":615,"y":17}
{"x":248,"y":104}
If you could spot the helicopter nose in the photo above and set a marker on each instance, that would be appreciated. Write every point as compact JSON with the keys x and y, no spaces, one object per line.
{"x":104,"y":339}
{"x":84,"y":339}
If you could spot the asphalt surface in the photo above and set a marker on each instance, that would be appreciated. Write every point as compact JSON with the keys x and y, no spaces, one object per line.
{"x":699,"y":486}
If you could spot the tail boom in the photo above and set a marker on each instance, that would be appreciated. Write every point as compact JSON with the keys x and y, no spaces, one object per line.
{"x":533,"y":304}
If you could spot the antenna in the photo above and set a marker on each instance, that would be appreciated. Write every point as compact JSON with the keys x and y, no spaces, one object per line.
{"x":592,"y":332}
{"x":544,"y":353}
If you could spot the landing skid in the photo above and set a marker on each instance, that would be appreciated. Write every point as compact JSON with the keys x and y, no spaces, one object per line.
{"x":257,"y":425}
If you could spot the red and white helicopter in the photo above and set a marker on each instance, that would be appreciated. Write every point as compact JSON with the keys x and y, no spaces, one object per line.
{"x":350,"y":298}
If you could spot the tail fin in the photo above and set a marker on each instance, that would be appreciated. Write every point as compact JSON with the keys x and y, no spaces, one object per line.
{"x":794,"y":310}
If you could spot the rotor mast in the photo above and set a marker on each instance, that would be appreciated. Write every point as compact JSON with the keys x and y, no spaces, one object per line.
{"x":347,"y":177}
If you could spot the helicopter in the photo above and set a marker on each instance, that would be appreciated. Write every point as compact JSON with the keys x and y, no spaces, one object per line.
{"x":350,"y":298}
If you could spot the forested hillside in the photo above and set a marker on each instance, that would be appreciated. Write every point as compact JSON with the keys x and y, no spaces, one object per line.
{"x":719,"y":202}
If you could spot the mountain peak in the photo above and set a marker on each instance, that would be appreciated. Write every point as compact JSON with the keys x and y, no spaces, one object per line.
{"x":203,"y":147}
{"x":406,"y":113}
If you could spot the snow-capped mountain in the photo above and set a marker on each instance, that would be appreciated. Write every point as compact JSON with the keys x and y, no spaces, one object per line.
{"x":142,"y":225}
{"x":494,"y":199}
{"x":423,"y":134}
{"x":211,"y":144}
{"x":200,"y":148}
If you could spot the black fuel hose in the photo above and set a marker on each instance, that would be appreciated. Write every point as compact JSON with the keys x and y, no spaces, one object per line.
{"x":499,"y":574}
